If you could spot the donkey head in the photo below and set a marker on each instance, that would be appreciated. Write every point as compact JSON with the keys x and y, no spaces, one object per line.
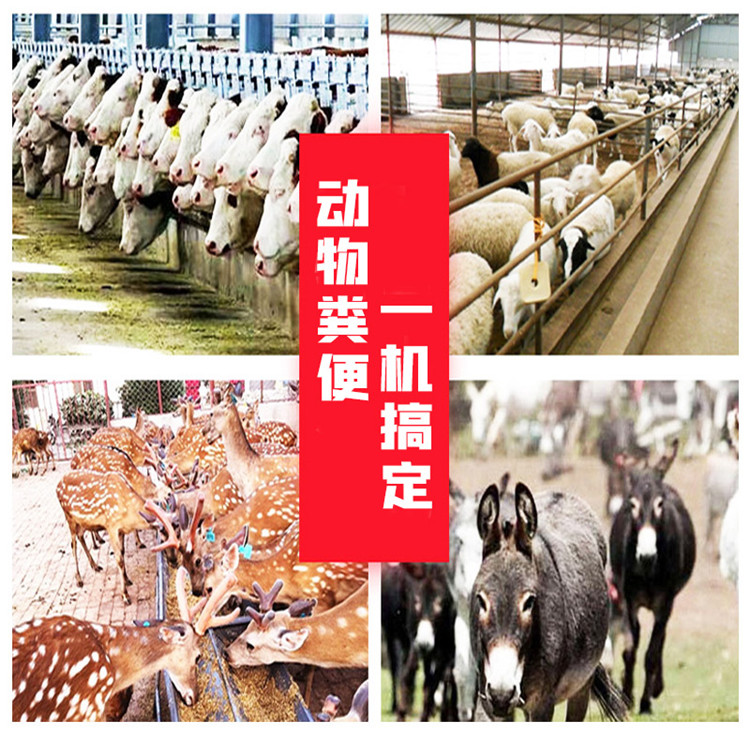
{"x":503,"y":601}
{"x":646,"y":500}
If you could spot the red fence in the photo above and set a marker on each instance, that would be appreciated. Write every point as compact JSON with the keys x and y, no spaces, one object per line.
{"x":71,"y":411}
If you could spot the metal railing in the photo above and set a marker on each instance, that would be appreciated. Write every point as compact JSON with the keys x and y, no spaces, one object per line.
{"x":687,"y":123}
{"x":338,"y":82}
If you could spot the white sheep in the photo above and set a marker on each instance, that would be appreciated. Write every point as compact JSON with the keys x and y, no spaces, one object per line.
{"x":512,"y":196}
{"x":587,"y":232}
{"x":585,"y":179}
{"x":582,"y":122}
{"x":515,"y":312}
{"x":720,"y":483}
{"x":667,"y":152}
{"x":489,"y":230}
{"x":568,"y":90}
{"x":532,"y":132}
{"x":516,"y":114}
{"x":470,"y":331}
{"x":454,"y":165}
{"x":509,"y":162}
{"x":556,"y":205}
{"x":729,"y":540}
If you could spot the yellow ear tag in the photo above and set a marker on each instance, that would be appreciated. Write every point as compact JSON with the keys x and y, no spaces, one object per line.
{"x":534,"y":288}
{"x":176,"y":130}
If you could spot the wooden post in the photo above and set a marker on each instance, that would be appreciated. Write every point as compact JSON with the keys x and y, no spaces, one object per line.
{"x":473,"y":32}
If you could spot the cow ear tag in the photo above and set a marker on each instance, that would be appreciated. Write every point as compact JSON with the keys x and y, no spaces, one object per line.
{"x":176,"y":130}
{"x":534,"y":288}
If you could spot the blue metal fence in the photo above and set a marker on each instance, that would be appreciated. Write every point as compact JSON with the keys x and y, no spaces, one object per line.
{"x":338,"y":82}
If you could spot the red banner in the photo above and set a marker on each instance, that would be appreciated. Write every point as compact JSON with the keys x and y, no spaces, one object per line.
{"x":374,"y":348}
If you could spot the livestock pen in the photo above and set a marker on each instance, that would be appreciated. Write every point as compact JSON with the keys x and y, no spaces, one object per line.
{"x":175,"y":424}
{"x":618,"y":307}
{"x":74,"y":293}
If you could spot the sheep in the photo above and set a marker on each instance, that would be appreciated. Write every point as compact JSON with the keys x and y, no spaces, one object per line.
{"x":667,"y":145}
{"x":515,"y":312}
{"x":569,"y":90}
{"x":516,"y":114}
{"x":512,"y":196}
{"x":587,"y":232}
{"x":532,"y":132}
{"x":454,"y":165}
{"x":489,"y":230}
{"x":585,"y":179}
{"x":729,"y":555}
{"x":556,"y":205}
{"x":720,"y":483}
{"x":488,"y":167}
{"x":582,"y":122}
{"x":469,"y":331}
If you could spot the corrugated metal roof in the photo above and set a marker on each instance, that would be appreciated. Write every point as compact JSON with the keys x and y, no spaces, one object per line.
{"x":624,"y":30}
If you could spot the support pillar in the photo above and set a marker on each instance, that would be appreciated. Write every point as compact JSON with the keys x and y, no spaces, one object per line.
{"x":256,"y":33}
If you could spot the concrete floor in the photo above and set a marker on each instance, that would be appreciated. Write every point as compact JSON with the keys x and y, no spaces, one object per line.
{"x":700,"y":313}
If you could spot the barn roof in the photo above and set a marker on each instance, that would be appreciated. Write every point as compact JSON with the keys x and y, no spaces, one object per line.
{"x":580,"y":30}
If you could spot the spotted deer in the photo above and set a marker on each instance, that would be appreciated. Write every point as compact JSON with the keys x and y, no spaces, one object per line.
{"x":276,"y":432}
{"x":65,"y":669}
{"x":126,"y":439}
{"x":247,"y":467}
{"x":336,"y":638}
{"x":328,"y":582}
{"x":28,"y":441}
{"x":257,"y":522}
{"x":104,"y":458}
{"x":92,"y":501}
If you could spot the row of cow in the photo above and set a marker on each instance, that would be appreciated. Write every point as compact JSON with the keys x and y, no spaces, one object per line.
{"x":224,"y":494}
{"x":157,"y":147}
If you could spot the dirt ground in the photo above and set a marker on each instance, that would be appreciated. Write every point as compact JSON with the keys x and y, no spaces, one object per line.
{"x":146,"y":305}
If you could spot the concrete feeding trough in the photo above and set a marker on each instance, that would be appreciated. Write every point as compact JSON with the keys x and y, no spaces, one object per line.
{"x":251,"y":694}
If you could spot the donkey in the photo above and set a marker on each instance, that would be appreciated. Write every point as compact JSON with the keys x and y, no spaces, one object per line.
{"x":539,"y":608}
{"x":652,"y":553}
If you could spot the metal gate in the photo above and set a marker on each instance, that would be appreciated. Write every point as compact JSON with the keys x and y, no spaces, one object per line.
{"x":70,"y":411}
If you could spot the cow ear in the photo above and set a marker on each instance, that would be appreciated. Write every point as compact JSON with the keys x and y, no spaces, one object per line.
{"x":526,"y":518}
{"x":488,"y":517}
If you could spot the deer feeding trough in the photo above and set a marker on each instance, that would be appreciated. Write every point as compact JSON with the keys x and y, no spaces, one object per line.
{"x":267,"y":694}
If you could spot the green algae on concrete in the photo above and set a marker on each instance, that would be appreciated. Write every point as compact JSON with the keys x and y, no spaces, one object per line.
{"x":150,"y":306}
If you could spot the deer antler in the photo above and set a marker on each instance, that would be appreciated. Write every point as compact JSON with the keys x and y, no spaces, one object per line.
{"x":172,"y":540}
{"x":206,"y":607}
{"x":262,"y":621}
{"x":196,"y":520}
{"x":266,"y":599}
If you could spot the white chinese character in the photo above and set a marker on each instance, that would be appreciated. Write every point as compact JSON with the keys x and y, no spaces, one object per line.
{"x":348,"y":321}
{"x":409,"y":479}
{"x":347,"y":261}
{"x":343,"y":377}
{"x":410,"y":422}
{"x":357,"y":198}
{"x":397,"y":374}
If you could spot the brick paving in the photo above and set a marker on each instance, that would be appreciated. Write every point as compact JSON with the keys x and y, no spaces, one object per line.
{"x":44,"y":582}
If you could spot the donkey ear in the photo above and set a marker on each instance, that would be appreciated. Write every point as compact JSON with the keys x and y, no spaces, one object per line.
{"x":663,"y":465}
{"x":489,"y":508}
{"x":527,"y":518}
